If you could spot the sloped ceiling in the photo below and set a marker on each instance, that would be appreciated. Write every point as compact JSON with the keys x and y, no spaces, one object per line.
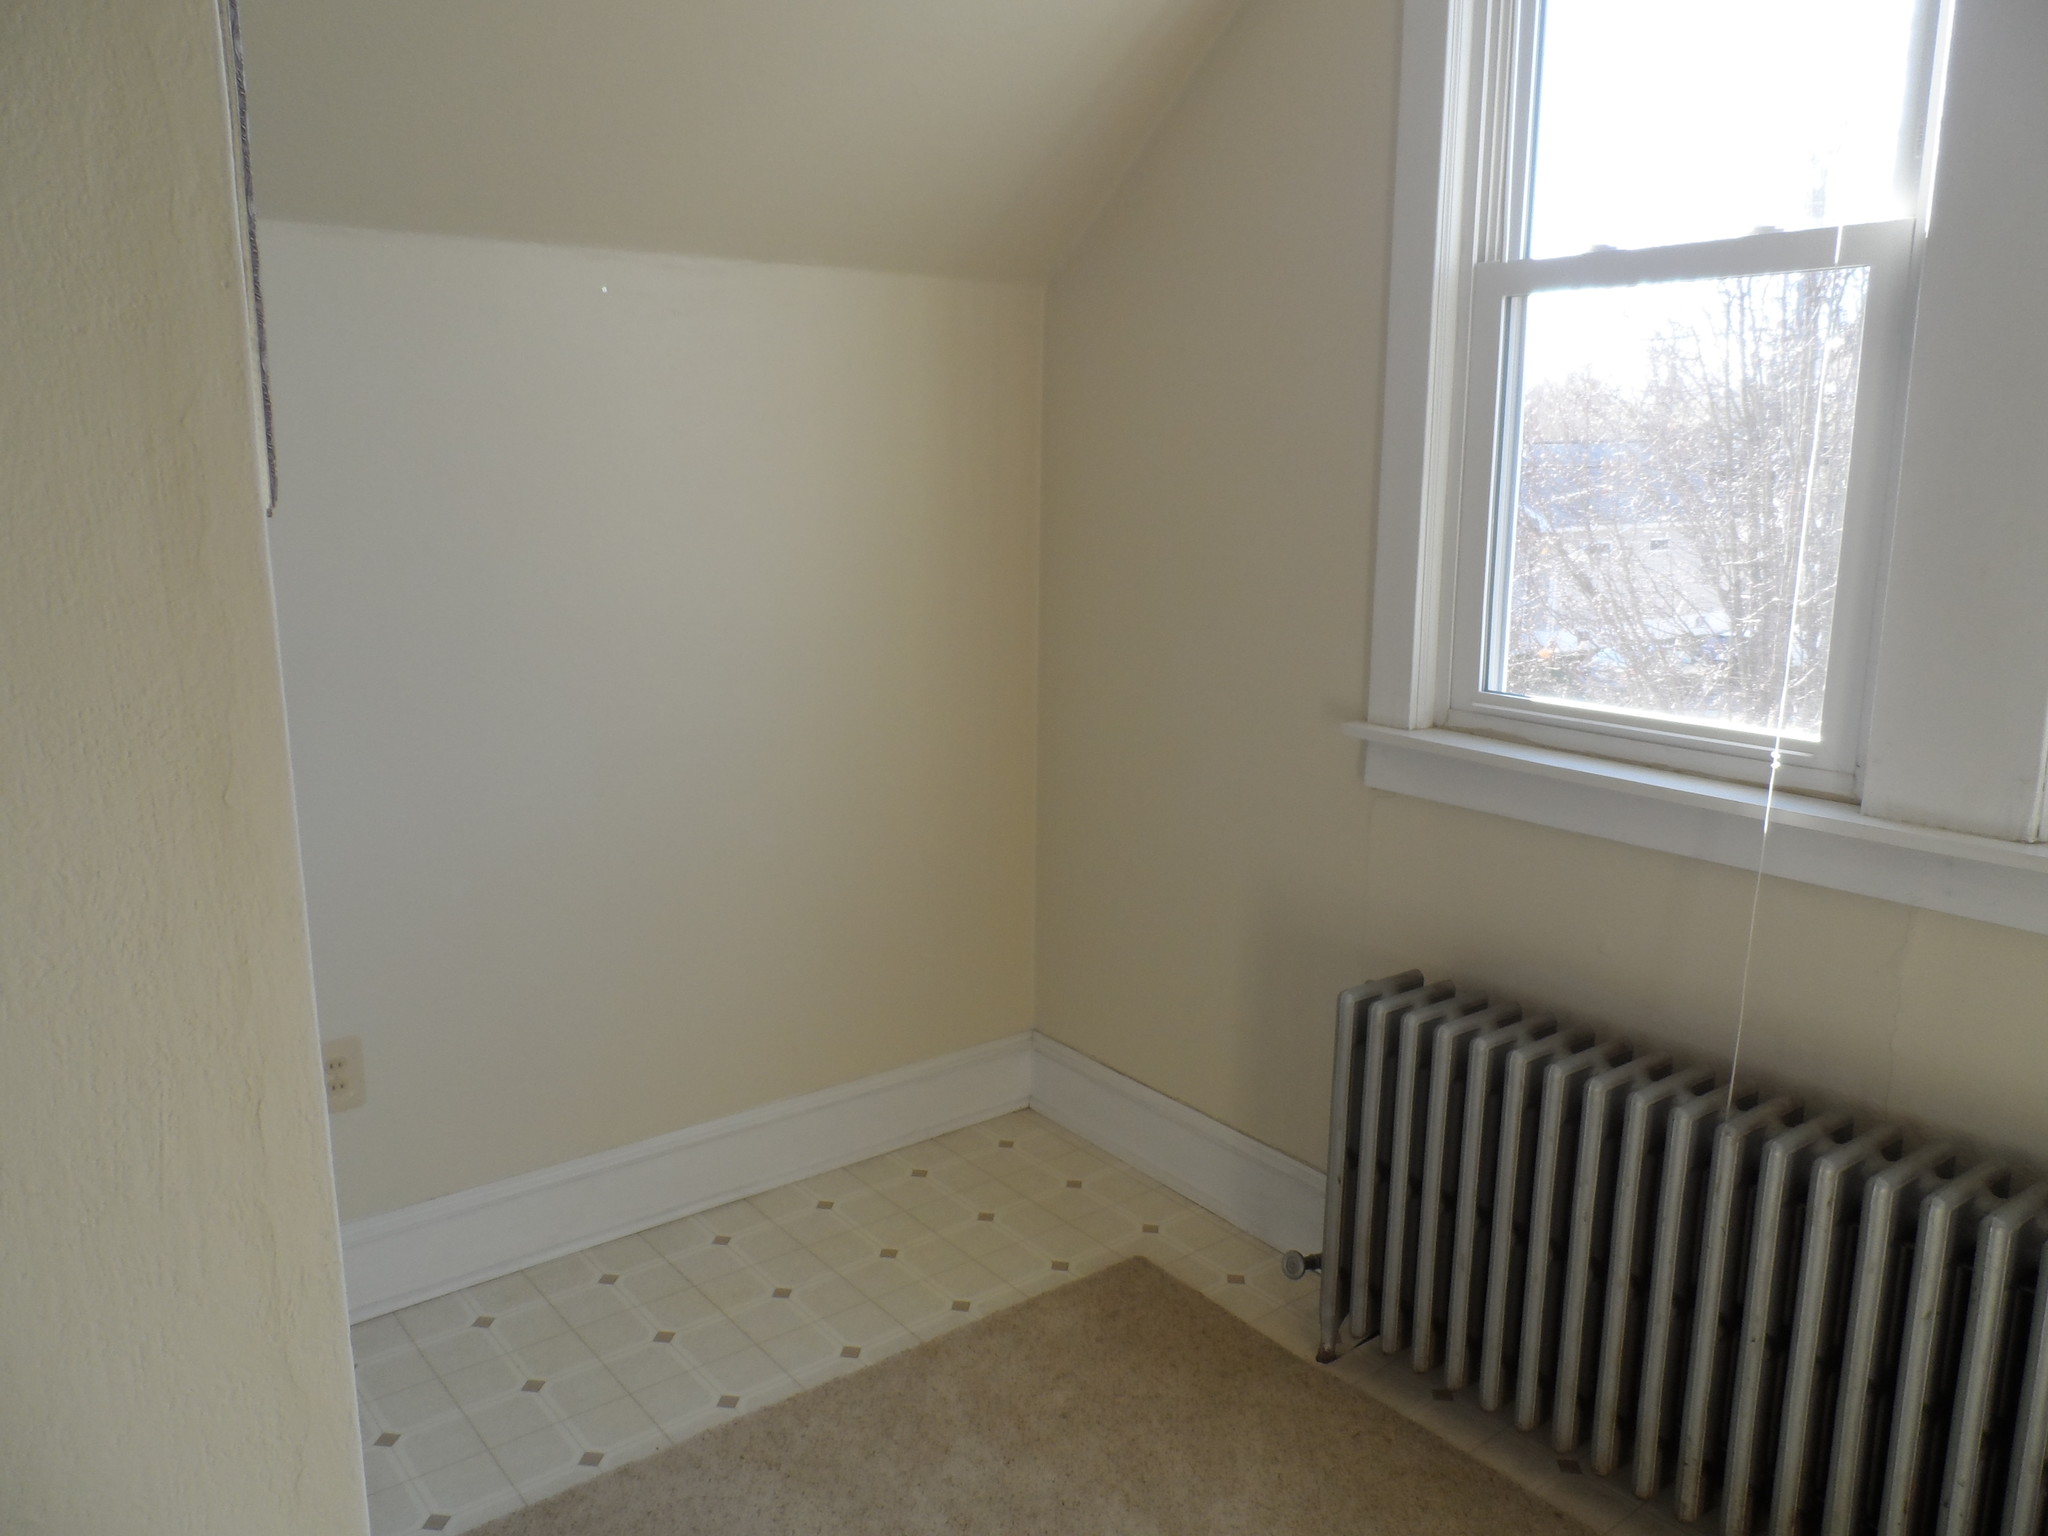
{"x":953,"y":136}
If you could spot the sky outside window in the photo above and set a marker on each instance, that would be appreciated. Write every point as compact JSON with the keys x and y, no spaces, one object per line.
{"x":1663,"y":122}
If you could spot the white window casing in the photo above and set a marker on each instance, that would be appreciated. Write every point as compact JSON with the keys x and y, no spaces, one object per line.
{"x":1959,"y":713}
{"x":1940,"y":721}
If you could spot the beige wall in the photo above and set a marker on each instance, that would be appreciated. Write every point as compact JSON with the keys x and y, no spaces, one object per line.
{"x":171,"y":1321}
{"x":1211,"y":869}
{"x":660,"y":649}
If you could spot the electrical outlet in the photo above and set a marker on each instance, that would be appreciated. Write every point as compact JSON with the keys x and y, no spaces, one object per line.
{"x":344,"y":1060}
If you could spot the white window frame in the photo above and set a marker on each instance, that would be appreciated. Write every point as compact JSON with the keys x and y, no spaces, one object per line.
{"x":1939,"y":743}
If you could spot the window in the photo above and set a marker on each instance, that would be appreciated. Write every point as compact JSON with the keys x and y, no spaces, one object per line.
{"x":1714,"y":429}
{"x":1695,"y":232}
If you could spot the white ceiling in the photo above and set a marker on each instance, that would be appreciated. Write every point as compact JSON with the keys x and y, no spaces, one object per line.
{"x":955,"y":136}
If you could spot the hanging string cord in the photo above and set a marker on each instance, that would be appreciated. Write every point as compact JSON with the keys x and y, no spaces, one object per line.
{"x":1756,"y":892}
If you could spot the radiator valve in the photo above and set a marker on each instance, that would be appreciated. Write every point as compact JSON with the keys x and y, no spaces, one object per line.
{"x":1294,"y":1263}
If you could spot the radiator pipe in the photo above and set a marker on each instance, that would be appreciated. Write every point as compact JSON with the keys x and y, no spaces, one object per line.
{"x":1294,"y":1263}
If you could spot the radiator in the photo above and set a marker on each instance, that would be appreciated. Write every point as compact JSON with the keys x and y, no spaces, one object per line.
{"x":1783,"y":1319}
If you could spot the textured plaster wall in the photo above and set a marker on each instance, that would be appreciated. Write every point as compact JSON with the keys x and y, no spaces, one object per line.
{"x":660,"y":649}
{"x":1212,"y":871}
{"x":172,"y":1331}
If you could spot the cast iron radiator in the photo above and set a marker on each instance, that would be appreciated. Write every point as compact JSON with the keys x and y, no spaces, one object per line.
{"x":1792,"y":1321}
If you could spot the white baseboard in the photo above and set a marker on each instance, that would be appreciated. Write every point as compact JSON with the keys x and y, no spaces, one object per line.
{"x":1267,"y":1193}
{"x":439,"y":1246}
{"x":428,"y":1250}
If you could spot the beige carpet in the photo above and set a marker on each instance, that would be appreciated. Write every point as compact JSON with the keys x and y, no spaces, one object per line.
{"x":1121,"y":1404}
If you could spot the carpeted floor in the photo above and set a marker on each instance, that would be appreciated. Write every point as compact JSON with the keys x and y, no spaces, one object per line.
{"x":1119,"y":1405}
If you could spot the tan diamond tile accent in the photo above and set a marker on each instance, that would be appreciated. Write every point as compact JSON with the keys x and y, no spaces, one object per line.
{"x":607,"y":1279}
{"x":1060,"y":1264}
{"x":590,"y":1458}
{"x":782,"y":1293}
{"x":666,"y":1336}
{"x":1073,"y":1183}
{"x":387,"y":1439}
{"x":920,"y":1173}
{"x":851,"y":1352}
{"x":985,"y":1216}
{"x":888,"y":1253}
{"x":534,"y":1385}
{"x":483,"y":1322}
{"x":1150,"y":1226}
{"x":962,"y":1306}
{"x":437,"y":1522}
{"x":720,"y":1241}
{"x":1006,"y":1143}
{"x":1234,"y":1279}
{"x":728,"y":1401}
{"x":825,"y":1205}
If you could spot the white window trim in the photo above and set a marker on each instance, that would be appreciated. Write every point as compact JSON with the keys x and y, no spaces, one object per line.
{"x":1820,"y":842}
{"x":1955,"y":735}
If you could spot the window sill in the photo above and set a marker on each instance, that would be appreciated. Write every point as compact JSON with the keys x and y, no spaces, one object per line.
{"x":1820,"y":842}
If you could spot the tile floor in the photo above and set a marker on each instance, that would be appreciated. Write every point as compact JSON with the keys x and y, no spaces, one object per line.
{"x":476,"y":1403}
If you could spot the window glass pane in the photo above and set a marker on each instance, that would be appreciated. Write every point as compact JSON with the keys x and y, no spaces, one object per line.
{"x":1682,"y":474}
{"x":1666,"y":121}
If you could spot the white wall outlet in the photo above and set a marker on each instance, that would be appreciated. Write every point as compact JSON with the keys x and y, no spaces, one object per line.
{"x":344,"y":1060}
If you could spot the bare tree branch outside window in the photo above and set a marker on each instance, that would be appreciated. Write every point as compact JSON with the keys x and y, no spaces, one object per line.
{"x":1682,"y":483}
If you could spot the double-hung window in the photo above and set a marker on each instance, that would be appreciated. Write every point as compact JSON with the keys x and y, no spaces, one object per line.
{"x":1686,"y":321}
{"x":1703,"y":451}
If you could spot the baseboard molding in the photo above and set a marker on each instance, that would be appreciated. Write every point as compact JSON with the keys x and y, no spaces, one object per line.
{"x":428,"y":1250}
{"x":1269,"y":1194}
{"x":439,"y":1246}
